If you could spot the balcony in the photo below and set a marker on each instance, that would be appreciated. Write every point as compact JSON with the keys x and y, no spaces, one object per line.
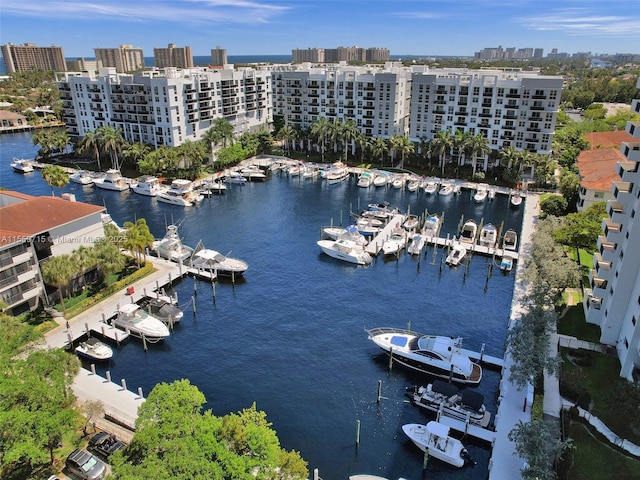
{"x":616,"y":211}
{"x":612,"y":230}
{"x":624,"y":167}
{"x":621,"y":190}
{"x":631,"y":150}
{"x":598,"y":285}
{"x":510,"y":116}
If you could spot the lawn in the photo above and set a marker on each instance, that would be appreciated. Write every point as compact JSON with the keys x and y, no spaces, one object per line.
{"x":574,"y":324}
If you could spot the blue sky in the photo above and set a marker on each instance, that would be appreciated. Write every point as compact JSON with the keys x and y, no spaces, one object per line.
{"x":261,"y":27}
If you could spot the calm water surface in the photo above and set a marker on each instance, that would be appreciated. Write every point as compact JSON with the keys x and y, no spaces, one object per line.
{"x":291,"y":337}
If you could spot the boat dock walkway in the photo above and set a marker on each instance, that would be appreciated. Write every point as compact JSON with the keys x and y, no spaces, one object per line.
{"x":468,"y":429}
{"x":483,"y":358}
{"x":375,"y":245}
{"x":449,"y":242}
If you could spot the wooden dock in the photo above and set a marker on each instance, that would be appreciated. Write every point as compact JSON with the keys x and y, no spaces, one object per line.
{"x":483,"y":359}
{"x":375,"y":245}
{"x":468,"y":429}
{"x":472,"y":247}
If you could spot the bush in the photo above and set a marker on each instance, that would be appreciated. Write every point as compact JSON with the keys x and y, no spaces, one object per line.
{"x":555,"y":205}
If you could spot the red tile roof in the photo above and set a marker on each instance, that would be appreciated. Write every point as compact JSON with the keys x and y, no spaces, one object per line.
{"x":608,"y":139}
{"x":37,"y":215}
{"x":598,"y":168}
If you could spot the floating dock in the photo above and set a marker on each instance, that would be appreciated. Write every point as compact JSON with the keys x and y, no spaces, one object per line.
{"x":473,"y":247}
{"x":375,"y":245}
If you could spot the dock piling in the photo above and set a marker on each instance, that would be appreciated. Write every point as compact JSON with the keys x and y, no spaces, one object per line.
{"x":357,"y":434}
{"x":108,"y":376}
{"x":93,"y":369}
{"x":123,"y":382}
{"x":140,"y":396}
{"x":193,"y":304}
{"x":390,"y":358}
{"x":144,"y":342}
{"x":379,"y":391}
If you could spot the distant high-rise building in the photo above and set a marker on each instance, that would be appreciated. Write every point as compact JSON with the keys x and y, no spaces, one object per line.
{"x":378,"y":54}
{"x":27,"y":57}
{"x":125,"y":58}
{"x":218,"y":56}
{"x":82,"y":65}
{"x":538,"y":53}
{"x":313,"y":55}
{"x":172,"y":56}
{"x":340,"y":54}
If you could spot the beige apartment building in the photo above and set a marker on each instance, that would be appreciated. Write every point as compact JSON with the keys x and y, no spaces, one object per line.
{"x":172,"y":56}
{"x":125,"y":58}
{"x":28,"y":57}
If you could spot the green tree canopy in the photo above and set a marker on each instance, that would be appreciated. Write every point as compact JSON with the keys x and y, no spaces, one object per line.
{"x":581,"y":229}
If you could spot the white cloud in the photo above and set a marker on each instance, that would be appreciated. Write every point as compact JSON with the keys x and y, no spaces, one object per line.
{"x":584,"y":22}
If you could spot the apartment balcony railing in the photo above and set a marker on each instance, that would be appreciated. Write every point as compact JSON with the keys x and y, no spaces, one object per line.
{"x":621,"y":190}
{"x":626,"y":167}
{"x":631,"y":150}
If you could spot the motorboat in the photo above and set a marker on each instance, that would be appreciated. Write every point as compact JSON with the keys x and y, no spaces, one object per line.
{"x":171,"y":247}
{"x":431,"y":187}
{"x":414,"y":184}
{"x":411,"y":223}
{"x":447,"y":399}
{"x":215,"y":262}
{"x":294,"y":170}
{"x":506,"y":264}
{"x":365,"y":180}
{"x":148,"y":185}
{"x":510,"y":240}
{"x":469,"y":232}
{"x":211,"y":186}
{"x":253,"y":173}
{"x":396,"y":242}
{"x":516,"y":199}
{"x":368,"y":226}
{"x":488,"y":235}
{"x":139,"y":323}
{"x":458,"y":252}
{"x":349,"y":233}
{"x":416,"y":244}
{"x":380,"y":180}
{"x":181,"y":193}
{"x":431,"y":227}
{"x":398,"y":181}
{"x":94,"y":349}
{"x":446,"y":189}
{"x":81,"y":177}
{"x":434,"y":438}
{"x":492,"y":193}
{"x":162,"y":309}
{"x":22,"y":165}
{"x":481,"y":194}
{"x":235,"y":178}
{"x":310,"y":172}
{"x":435,"y":355}
{"x":112,"y":180}
{"x":337,"y":173}
{"x":381,"y":211}
{"x":345,"y":250}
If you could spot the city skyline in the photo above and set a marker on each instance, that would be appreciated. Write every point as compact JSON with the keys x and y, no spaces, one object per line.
{"x":263,"y":27}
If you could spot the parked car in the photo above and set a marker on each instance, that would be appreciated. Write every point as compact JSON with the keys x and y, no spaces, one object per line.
{"x":106,"y":444}
{"x":85,"y":466}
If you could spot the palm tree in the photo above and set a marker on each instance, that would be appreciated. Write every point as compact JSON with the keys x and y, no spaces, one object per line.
{"x":136,"y":152}
{"x":513,"y":159}
{"x":58,"y":271}
{"x":335,"y":134}
{"x":404,"y":146}
{"x":460,"y":143}
{"x":137,"y":239}
{"x":90,"y":143}
{"x":84,"y":258}
{"x":111,"y":142}
{"x":110,"y":260}
{"x":223,"y":131}
{"x":350,"y":133}
{"x":287,"y":134}
{"x":55,"y":176}
{"x":441,"y":145}
{"x":478,"y":147}
{"x":319,"y":131}
{"x":379,"y":147}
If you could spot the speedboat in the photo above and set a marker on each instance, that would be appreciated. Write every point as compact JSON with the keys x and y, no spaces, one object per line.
{"x":310,"y":172}
{"x":456,"y":255}
{"x":365,"y":180}
{"x":380,"y":180}
{"x":368,"y":226}
{"x":510,"y":240}
{"x":349,"y":233}
{"x":431,"y":187}
{"x":337,"y":173}
{"x":139,"y":323}
{"x":398,"y":181}
{"x":449,"y":400}
{"x":235,"y":177}
{"x":396,"y":242}
{"x":253,"y":173}
{"x":171,"y":247}
{"x":506,"y":264}
{"x":481,"y":194}
{"x":431,"y":226}
{"x":414,"y":184}
{"x":112,"y":180}
{"x":94,"y":349}
{"x":416,"y":244}
{"x":148,"y":185}
{"x":294,"y":170}
{"x":469,"y":232}
{"x":435,"y":355}
{"x":81,"y":177}
{"x":345,"y":250}
{"x":411,"y":223}
{"x":214,"y":262}
{"x":22,"y":165}
{"x":180,"y":193}
{"x":162,"y":309}
{"x":488,"y":235}
{"x":446,"y":189}
{"x":212,"y":186}
{"x":434,"y":438}
{"x":381,"y":211}
{"x":516,"y":199}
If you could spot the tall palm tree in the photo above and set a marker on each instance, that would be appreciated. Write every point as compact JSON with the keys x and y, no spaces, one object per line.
{"x":111,"y":142}
{"x":90,"y":143}
{"x":350,"y":133}
{"x":478,"y":148}
{"x":109,"y":258}
{"x":55,"y":176}
{"x":135,"y":152}
{"x":83,"y":257}
{"x":405,"y":147}
{"x":335,"y":134}
{"x":460,"y":142}
{"x":137,"y":239}
{"x":287,"y":134}
{"x":223,"y":131}
{"x":440,"y":146}
{"x":379,"y":147}
{"x":319,"y":131}
{"x":58,"y":271}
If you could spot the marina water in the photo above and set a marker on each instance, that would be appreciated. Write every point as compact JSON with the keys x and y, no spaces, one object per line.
{"x":291,"y":336}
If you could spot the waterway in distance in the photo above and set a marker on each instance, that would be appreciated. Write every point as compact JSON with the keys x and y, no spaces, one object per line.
{"x":291,"y":337}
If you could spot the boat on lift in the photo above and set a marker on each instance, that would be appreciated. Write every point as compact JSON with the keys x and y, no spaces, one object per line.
{"x":469,"y":232}
{"x":510,"y":240}
{"x":488,"y":235}
{"x":94,"y":349}
{"x":434,"y":438}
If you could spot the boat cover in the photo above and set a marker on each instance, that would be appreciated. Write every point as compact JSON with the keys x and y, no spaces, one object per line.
{"x":438,"y":386}
{"x":438,"y":429}
{"x":472,"y":399}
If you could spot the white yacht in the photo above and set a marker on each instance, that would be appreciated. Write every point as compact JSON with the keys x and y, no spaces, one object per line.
{"x":431,"y":187}
{"x":349,"y":233}
{"x":215,"y":262}
{"x":180,"y":193}
{"x":482,"y":191}
{"x":139,"y":323}
{"x":21,"y":165}
{"x":458,"y":252}
{"x":253,"y":173}
{"x":337,"y":173}
{"x":171,"y":247}
{"x":396,"y":242}
{"x":94,"y":349}
{"x":446,"y":189}
{"x":488,"y":235}
{"x":417,"y":243}
{"x":345,"y":250}
{"x":469,"y":232}
{"x":81,"y":177}
{"x":510,"y":240}
{"x":431,"y":227}
{"x":365,"y":180}
{"x":112,"y":180}
{"x":434,"y":438}
{"x":148,"y":185}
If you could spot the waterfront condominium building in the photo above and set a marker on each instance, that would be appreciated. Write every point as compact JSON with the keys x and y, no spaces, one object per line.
{"x":218,"y":56}
{"x":165,"y":107}
{"x":510,"y":108}
{"x":27,"y":57}
{"x":312,"y":55}
{"x":172,"y":56}
{"x":340,"y":54}
{"x":614,"y":300}
{"x":377,"y":99}
{"x":125,"y":58}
